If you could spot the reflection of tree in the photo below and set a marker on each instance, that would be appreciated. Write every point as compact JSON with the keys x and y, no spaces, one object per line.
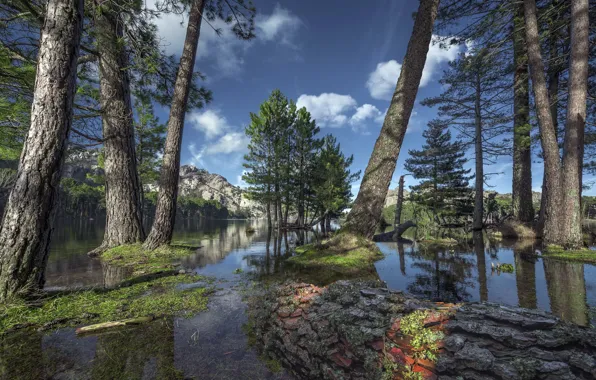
{"x":525,"y":273}
{"x":114,"y":275}
{"x":445,"y":276}
{"x":481,"y":264}
{"x":135,"y":353}
{"x":567,"y":290}
{"x":402,"y":258}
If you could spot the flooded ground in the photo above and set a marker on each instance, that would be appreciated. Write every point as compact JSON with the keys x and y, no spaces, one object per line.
{"x":213,"y":344}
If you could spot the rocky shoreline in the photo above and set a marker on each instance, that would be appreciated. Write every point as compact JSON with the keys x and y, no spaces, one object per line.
{"x":361,"y":330}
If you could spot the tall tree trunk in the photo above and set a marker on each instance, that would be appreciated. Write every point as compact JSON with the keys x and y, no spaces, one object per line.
{"x":573,"y":145}
{"x":479,"y":185}
{"x":124,"y":223}
{"x":165,"y":213}
{"x":562,"y":218}
{"x":554,"y":71}
{"x":553,"y":196}
{"x":522,"y":152}
{"x":29,"y":213}
{"x":367,"y":209}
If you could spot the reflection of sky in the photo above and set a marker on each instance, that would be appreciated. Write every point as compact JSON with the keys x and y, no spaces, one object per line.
{"x":502,"y":288}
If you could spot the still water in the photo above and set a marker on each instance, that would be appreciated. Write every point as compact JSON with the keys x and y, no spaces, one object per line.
{"x":213,"y":345}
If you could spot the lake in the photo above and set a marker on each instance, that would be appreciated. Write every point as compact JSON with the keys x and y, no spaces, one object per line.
{"x":213,"y":344}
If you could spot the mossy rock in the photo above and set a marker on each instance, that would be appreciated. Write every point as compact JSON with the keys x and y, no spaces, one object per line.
{"x":142,"y":262}
{"x":344,"y":253}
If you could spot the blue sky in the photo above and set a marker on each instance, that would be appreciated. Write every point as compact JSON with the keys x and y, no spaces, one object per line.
{"x":339,"y":58}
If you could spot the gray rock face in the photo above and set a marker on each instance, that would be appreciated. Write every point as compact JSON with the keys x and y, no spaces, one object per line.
{"x":200,"y":183}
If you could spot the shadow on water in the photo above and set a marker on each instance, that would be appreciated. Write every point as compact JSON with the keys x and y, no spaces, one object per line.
{"x":212,"y":344}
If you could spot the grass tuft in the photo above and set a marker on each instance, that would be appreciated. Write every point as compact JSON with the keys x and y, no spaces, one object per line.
{"x":159,"y":297}
{"x":345,"y":253}
{"x":582,"y":255}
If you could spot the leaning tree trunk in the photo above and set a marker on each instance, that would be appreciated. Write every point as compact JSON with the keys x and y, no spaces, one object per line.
{"x":479,"y":186}
{"x":165,"y":213}
{"x":573,"y":146}
{"x":522,"y":152}
{"x":368,"y":207}
{"x":124,"y":223}
{"x":29,"y":214}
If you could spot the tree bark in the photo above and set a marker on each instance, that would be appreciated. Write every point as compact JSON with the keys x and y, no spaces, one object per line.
{"x":552,"y":164}
{"x":562,"y":210}
{"x":367,"y":209}
{"x":29,"y":214}
{"x":165,"y":213}
{"x":573,"y":145}
{"x":124,"y":223}
{"x":479,"y":185}
{"x":523,"y":209}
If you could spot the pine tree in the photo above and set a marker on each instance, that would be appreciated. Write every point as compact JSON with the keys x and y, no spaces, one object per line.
{"x":333,"y":179}
{"x":444,"y":187}
{"x":472,"y":103}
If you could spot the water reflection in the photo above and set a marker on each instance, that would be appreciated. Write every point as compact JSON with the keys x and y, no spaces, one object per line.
{"x":464,"y":274}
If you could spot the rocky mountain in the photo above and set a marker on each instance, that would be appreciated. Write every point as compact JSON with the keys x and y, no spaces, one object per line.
{"x":200,"y":183}
{"x":194,"y":182}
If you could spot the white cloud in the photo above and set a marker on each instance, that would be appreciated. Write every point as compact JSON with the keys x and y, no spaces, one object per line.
{"x":240,"y":182}
{"x":328,"y":109}
{"x":280,"y":25}
{"x":226,"y":49}
{"x":210,"y":122}
{"x":232,"y":142}
{"x":381,"y":82}
{"x":362,"y":115}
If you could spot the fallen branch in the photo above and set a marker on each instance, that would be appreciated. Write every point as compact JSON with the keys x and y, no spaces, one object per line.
{"x":108,"y":325}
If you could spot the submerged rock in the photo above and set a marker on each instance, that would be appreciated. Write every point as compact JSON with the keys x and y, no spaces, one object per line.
{"x":361,"y":330}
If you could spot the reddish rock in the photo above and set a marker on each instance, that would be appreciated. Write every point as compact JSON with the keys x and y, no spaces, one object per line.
{"x":378,"y":345}
{"x":426,"y":364}
{"x":292,"y":323}
{"x":283,"y":314}
{"x":296,"y":313}
{"x":398,"y":355}
{"x":341,"y":360}
{"x":390,"y":334}
{"x":424,"y":372}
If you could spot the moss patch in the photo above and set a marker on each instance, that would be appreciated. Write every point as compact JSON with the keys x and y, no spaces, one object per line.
{"x":159,"y":297}
{"x":344,"y":253}
{"x":141,"y":262}
{"x":439,"y":242}
{"x":581,"y":255}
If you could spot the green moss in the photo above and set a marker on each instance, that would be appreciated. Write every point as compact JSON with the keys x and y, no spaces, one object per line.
{"x":345,"y":253}
{"x":238,"y":271}
{"x":582,"y":255}
{"x":506,"y":268}
{"x":424,"y":340}
{"x":140,"y":261}
{"x":159,"y":297}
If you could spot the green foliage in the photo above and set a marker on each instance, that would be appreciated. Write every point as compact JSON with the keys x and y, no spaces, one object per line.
{"x":150,"y":140}
{"x":158,"y":297}
{"x":444,"y":189}
{"x":288,"y":165}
